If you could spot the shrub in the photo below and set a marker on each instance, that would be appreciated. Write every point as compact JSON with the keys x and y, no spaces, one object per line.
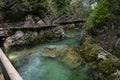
{"x":107,"y":66}
{"x":100,"y":15}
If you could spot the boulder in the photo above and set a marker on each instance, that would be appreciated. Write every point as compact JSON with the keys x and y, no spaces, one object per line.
{"x":50,"y":51}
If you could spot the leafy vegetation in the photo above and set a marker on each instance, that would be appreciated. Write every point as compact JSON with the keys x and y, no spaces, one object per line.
{"x":100,"y":15}
{"x":89,"y":51}
{"x":17,"y":10}
{"x":107,"y":66}
{"x":104,"y":12}
{"x":77,"y":10}
{"x":39,"y":8}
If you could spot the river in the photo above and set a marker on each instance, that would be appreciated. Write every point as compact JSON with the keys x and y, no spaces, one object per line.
{"x":37,"y":67}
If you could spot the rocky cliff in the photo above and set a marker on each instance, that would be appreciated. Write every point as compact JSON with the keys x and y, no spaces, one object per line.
{"x":100,"y":43}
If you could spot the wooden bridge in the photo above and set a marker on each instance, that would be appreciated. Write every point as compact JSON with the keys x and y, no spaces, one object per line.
{"x":8,"y":71}
{"x":4,"y":28}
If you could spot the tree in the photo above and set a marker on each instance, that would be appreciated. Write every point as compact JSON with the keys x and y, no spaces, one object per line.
{"x":104,"y":12}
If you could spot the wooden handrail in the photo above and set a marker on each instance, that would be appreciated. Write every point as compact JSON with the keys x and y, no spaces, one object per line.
{"x":15,"y":25}
{"x":9,"y":71}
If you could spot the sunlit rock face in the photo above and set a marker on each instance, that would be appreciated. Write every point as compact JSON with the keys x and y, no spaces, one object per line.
{"x":92,"y":3}
{"x":30,"y":37}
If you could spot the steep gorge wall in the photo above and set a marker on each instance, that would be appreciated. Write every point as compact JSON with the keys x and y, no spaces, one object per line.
{"x":100,"y":43}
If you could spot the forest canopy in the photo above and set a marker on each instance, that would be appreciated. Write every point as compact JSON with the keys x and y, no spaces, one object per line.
{"x":18,"y":9}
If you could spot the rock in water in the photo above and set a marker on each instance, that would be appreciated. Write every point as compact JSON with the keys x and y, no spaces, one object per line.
{"x":51,"y":47}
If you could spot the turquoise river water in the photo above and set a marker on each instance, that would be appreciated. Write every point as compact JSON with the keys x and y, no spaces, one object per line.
{"x":37,"y":67}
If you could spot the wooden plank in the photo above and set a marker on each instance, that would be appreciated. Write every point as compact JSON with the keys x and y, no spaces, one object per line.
{"x":11,"y":71}
{"x":21,"y":25}
{"x":1,"y":77}
{"x":33,"y":27}
{"x":71,"y":22}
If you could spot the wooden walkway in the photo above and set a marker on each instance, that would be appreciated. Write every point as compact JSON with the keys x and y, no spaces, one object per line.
{"x":5,"y":27}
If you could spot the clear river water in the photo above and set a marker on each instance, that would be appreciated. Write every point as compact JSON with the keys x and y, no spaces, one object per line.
{"x":37,"y":67}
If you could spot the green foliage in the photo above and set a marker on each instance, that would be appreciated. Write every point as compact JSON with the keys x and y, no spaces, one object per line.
{"x":100,"y":15}
{"x":51,"y":5}
{"x":92,"y":55}
{"x":62,"y":3}
{"x":51,"y":9}
{"x":56,"y":7}
{"x":1,"y":4}
{"x":77,"y":10}
{"x":114,"y":6}
{"x":39,"y":8}
{"x":107,"y":66}
{"x":32,"y":4}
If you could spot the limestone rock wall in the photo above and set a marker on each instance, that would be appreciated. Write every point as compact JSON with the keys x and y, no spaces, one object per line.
{"x":33,"y":37}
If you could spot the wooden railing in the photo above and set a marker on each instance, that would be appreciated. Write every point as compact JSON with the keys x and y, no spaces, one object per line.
{"x":8,"y":70}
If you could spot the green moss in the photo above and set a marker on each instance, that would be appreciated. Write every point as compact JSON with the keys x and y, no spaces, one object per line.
{"x":89,"y":51}
{"x":92,"y":55}
{"x":107,"y":66}
{"x":70,"y":58}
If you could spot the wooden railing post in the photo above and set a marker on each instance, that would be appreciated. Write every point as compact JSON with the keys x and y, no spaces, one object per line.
{"x":9,"y":71}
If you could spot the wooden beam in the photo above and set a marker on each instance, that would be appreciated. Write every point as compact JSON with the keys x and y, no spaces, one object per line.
{"x":11,"y":72}
{"x":21,"y":25}
{"x":1,"y":76}
{"x":15,"y":27}
{"x":71,"y":22}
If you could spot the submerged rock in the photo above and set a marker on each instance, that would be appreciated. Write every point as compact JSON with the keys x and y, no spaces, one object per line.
{"x":66,"y":56}
{"x":50,"y":52}
{"x":51,"y":47}
{"x":70,"y":58}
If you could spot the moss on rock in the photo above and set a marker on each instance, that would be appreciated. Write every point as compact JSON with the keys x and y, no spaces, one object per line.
{"x":89,"y":51}
{"x":107,"y":66}
{"x":70,"y":58}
